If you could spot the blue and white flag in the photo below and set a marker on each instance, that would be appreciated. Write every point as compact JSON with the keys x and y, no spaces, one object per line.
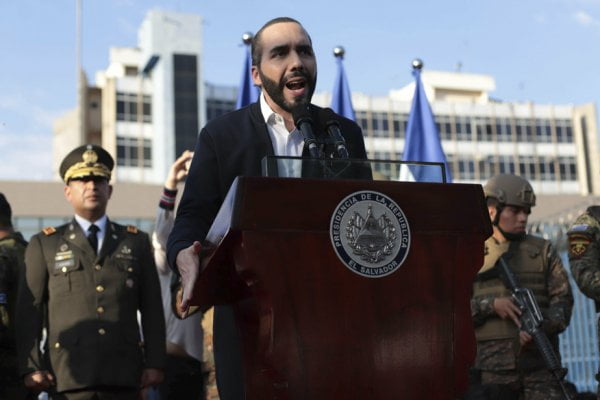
{"x":248,"y":92}
{"x":422,"y":139}
{"x":341,"y":99}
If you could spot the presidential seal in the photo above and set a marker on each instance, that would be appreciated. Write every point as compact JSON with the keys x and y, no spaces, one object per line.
{"x":370,"y":234}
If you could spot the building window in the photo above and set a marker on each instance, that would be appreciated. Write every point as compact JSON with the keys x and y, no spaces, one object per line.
{"x":127,"y":106}
{"x":466,"y":168}
{"x":380,"y":125}
{"x":564,"y":131}
{"x":186,"y":95}
{"x":547,"y":168}
{"x":484,"y":130}
{"x":215,"y":108}
{"x":444,"y":126}
{"x":523,"y":130}
{"x":568,"y":168}
{"x":506,"y":164}
{"x":503,"y":130}
{"x":543,"y":131}
{"x":399,"y":122}
{"x":131,"y":70}
{"x":133,"y":152}
{"x":463,"y":128}
{"x":527,"y":167}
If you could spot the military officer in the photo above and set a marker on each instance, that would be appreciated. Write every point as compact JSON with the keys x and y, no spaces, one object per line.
{"x":12,"y":263}
{"x":85,"y":282}
{"x":506,"y":355}
{"x":584,"y":255}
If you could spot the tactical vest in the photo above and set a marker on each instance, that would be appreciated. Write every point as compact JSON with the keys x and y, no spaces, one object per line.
{"x":529,"y":263}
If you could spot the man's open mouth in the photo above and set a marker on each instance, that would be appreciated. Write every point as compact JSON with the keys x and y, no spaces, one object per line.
{"x":296,"y":84}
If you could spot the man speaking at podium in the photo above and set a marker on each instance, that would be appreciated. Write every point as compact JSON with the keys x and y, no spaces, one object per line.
{"x":285,"y":68}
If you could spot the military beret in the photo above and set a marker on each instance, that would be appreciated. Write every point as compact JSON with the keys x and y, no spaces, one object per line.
{"x":86,"y":160}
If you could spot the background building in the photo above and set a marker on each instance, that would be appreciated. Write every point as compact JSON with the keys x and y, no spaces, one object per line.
{"x":148,"y":106}
{"x":553,"y":146}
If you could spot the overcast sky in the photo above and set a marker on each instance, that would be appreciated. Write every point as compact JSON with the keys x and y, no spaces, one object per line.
{"x":545,"y":51}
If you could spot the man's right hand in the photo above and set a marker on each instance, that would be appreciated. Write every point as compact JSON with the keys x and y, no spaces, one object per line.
{"x":188,"y":264}
{"x":506,"y":308}
{"x":38,"y":381}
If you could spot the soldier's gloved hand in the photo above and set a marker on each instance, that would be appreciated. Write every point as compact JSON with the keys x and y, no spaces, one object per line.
{"x":505,"y":308}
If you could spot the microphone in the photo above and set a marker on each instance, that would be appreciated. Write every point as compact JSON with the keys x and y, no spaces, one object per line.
{"x":333,"y":129}
{"x":304,"y":123}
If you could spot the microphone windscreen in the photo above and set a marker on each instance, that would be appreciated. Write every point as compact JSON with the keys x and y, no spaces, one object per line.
{"x":328,"y":117}
{"x":301,"y":112}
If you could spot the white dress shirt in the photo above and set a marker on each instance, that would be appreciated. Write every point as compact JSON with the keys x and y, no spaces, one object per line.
{"x":285,"y":143}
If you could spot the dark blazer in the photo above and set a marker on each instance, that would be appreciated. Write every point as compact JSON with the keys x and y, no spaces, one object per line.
{"x":230,"y":146}
{"x":91,"y":304}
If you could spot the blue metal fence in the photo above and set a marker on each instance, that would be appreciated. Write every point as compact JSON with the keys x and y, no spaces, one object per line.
{"x":579,"y":343}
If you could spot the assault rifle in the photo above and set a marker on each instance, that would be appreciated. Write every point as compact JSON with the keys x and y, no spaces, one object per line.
{"x":531,"y":321}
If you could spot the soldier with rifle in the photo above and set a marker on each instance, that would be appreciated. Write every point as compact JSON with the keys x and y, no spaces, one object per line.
{"x":584,"y":256}
{"x":518,"y":311}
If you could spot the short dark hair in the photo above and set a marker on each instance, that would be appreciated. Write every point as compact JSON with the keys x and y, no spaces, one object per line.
{"x":5,"y":213}
{"x":256,"y":47}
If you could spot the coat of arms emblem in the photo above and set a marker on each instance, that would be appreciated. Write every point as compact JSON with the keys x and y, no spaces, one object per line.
{"x":370,"y":234}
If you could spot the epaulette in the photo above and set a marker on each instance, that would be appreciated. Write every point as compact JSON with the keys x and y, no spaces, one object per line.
{"x":49,"y":230}
{"x":132,"y":229}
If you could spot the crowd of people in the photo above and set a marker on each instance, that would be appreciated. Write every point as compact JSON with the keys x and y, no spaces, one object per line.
{"x":86,"y":309}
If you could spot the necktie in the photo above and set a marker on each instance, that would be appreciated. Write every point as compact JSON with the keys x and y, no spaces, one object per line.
{"x":93,"y":237}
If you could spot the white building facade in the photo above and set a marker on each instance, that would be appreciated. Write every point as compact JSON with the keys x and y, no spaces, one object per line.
{"x":152,"y":102}
{"x":553,"y":146}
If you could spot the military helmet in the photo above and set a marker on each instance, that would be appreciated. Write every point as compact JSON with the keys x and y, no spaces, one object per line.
{"x":510,"y":190}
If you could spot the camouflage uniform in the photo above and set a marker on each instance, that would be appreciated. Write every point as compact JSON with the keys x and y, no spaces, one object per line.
{"x":12,"y":254}
{"x":502,"y":360}
{"x":584,"y":255}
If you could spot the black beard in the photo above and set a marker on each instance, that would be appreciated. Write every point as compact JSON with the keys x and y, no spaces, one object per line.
{"x":275,"y":90}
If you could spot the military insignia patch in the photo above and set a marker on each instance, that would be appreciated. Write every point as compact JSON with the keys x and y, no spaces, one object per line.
{"x":578,"y":244}
{"x":370,"y":234}
{"x":49,"y":230}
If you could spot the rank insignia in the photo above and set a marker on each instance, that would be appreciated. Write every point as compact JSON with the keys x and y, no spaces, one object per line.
{"x":49,"y":230}
{"x":578,"y":244}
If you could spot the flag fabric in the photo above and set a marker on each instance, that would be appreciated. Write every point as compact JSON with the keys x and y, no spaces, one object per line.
{"x":341,"y":99}
{"x":248,"y":93}
{"x":422,"y":138}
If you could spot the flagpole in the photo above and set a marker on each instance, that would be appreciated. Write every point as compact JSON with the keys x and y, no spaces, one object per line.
{"x":422,"y":141}
{"x":341,"y":97}
{"x":248,"y":93}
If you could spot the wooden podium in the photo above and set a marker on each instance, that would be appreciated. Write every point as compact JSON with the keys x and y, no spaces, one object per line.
{"x":310,"y":327}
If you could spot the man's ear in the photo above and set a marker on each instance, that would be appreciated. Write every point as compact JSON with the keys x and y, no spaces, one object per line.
{"x":256,"y":76}
{"x":110,"y":190}
{"x":493,"y":211}
{"x":67,"y":192}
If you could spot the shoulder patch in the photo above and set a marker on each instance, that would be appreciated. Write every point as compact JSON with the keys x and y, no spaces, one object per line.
{"x":132,"y":229}
{"x":49,"y":230}
{"x":578,"y":245}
